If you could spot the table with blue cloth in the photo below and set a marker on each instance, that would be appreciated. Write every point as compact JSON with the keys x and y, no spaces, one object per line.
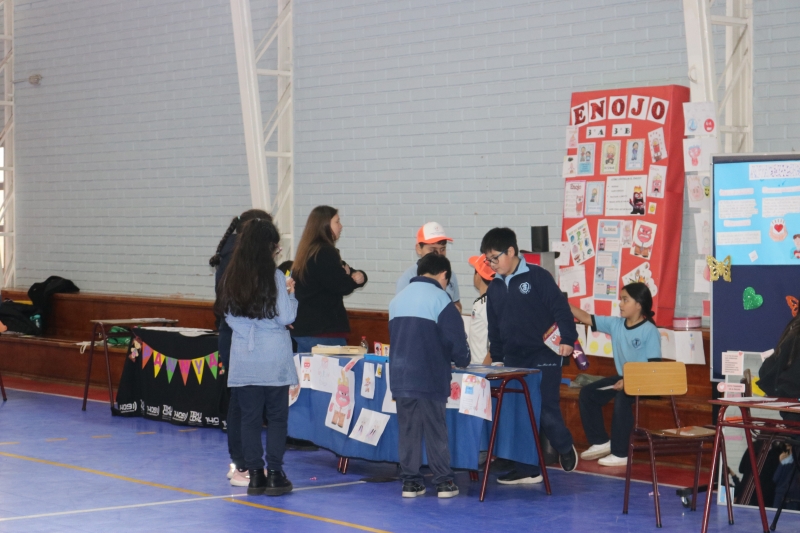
{"x":468,"y":435}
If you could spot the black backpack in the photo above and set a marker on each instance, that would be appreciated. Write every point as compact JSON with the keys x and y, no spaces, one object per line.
{"x":20,"y":318}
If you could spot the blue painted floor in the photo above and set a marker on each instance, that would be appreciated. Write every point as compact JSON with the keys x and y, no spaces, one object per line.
{"x":65,"y":470}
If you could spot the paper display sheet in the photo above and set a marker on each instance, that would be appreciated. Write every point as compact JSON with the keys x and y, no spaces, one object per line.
{"x":342,"y":404}
{"x":572,"y":280}
{"x":574,"y":196}
{"x":586,"y":159}
{"x":369,"y":427}
{"x":454,"y":400}
{"x":625,"y":195}
{"x":476,"y":397}
{"x":368,"y":381}
{"x":595,"y":197}
{"x":324,"y":373}
{"x":607,"y":261}
{"x":757,"y":212}
{"x":702,"y":279}
{"x":580,"y":241}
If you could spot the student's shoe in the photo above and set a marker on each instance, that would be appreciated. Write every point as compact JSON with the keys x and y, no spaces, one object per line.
{"x":448,"y":489}
{"x":596,"y":451}
{"x":277,"y":484}
{"x":412,"y":489}
{"x":569,"y":460}
{"x":518,"y":478}
{"x":241,"y":478}
{"x":258,"y":482}
{"x":231,"y":470}
{"x":613,"y":460}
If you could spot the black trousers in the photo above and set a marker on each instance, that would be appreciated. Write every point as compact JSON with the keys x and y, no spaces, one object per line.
{"x":417,"y":418}
{"x":592,"y":401}
{"x":251,"y":402}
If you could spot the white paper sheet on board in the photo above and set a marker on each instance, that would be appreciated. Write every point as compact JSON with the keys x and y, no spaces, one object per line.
{"x":702,"y":279}
{"x":454,"y":400}
{"x":324,"y":373}
{"x":702,"y":228}
{"x":343,"y":401}
{"x":572,"y":280}
{"x":369,"y":427}
{"x":580,"y":242}
{"x":476,"y":397}
{"x":368,"y":381}
{"x":623,"y":193}
{"x":574,"y":198}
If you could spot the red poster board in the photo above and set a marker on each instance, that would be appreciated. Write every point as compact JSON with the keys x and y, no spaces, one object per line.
{"x":623,"y":200}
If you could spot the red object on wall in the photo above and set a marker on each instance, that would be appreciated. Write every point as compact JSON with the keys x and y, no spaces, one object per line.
{"x":626,"y":173}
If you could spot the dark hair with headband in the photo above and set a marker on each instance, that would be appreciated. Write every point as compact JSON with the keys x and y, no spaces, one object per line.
{"x":640,"y":293}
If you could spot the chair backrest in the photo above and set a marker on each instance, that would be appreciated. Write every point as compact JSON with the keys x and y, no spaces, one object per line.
{"x":655,"y":379}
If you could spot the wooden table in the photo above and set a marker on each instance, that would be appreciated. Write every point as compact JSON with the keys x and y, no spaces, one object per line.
{"x":100,"y":332}
{"x":748,"y":423}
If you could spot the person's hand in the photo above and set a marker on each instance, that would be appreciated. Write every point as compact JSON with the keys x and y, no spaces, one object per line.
{"x":346,"y":267}
{"x":565,"y":350}
{"x":358,"y":277}
{"x":290,"y":285}
{"x":487,"y":360}
{"x":618,"y":385}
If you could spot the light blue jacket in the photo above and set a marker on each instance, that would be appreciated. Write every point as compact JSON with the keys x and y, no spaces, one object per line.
{"x":261,"y":349}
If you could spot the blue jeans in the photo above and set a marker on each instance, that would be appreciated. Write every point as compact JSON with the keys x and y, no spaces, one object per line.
{"x":304,"y":344}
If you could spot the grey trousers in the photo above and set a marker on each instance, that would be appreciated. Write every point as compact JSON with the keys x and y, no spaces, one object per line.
{"x":417,"y":418}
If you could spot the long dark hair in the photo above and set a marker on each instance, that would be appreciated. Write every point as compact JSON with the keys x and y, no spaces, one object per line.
{"x":248,"y":286}
{"x":641,"y":295}
{"x":317,"y":233}
{"x":791,"y":330}
{"x":236,"y":226}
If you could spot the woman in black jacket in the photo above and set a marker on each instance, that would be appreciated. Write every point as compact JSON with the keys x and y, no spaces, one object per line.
{"x":779,"y":374}
{"x":323,"y":280}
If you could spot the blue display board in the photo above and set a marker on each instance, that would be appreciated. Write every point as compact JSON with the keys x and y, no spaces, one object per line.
{"x":756,"y":215}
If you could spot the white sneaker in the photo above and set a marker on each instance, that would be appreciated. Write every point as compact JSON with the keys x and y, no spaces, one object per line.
{"x":240,"y":478}
{"x":231,"y":470}
{"x":596,"y":451}
{"x":613,"y":460}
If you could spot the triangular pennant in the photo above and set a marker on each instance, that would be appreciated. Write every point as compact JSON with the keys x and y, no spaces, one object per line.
{"x":197,"y":364}
{"x":171,"y":363}
{"x":184,"y":366}
{"x":211,"y":361}
{"x":158,"y":360}
{"x":147,"y":351}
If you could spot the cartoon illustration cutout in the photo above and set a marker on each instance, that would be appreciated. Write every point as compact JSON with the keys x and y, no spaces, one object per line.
{"x":643,"y":239}
{"x":340,"y":408}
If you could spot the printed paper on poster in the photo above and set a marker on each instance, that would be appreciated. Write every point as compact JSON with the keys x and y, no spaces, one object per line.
{"x":580,"y":242}
{"x":658,"y":147}
{"x":586,"y":153}
{"x":634,"y":154}
{"x":595,"y":197}
{"x":610,"y":155}
{"x":574,"y":197}
{"x":625,"y":195}
{"x":572,"y":280}
{"x":656,"y":181}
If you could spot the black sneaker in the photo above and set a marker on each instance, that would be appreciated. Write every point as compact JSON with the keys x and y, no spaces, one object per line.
{"x":448,"y":489}
{"x":569,"y":460}
{"x":277,"y":484}
{"x":518,"y":478}
{"x":412,"y":489}
{"x":258,"y":482}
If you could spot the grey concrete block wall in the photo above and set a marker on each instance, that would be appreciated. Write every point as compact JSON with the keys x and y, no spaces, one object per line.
{"x":130,"y":154}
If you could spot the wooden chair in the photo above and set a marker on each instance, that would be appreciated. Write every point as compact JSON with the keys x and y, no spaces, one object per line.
{"x":667,"y":379}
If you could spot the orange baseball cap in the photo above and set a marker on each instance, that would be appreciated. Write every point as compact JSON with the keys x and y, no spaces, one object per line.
{"x":484,"y":270}
{"x":432,"y":232}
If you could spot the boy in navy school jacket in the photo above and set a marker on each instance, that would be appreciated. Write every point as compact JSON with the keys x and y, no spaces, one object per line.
{"x":426,"y":333}
{"x":523,"y":301}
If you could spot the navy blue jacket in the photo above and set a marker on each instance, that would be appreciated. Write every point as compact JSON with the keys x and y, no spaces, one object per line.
{"x":426,"y":333}
{"x":521,"y":307}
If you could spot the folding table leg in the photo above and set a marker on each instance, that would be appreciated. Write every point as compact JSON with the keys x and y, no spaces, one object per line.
{"x":536,"y":441}
{"x":697,"y":465}
{"x":495,"y":422}
{"x":108,"y":368}
{"x":89,"y":367}
{"x":729,"y":499}
{"x":748,"y":437}
{"x":714,"y":462}
{"x":473,"y":475}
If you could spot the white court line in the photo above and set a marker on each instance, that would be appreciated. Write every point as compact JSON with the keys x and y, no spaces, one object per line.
{"x":153,"y":504}
{"x":608,"y":476}
{"x":54,"y":394}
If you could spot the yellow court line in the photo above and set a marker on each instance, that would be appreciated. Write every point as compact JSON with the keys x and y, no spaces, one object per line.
{"x":196,"y":493}
{"x":101,"y":436}
{"x":304,"y":515}
{"x":55,"y":439}
{"x":146,"y":433}
{"x":14,"y":442}
{"x":186,"y":430}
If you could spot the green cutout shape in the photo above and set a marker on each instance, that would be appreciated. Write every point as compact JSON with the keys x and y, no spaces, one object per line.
{"x":751,"y":300}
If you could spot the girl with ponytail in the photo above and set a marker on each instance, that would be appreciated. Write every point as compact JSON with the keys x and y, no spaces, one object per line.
{"x":634,"y":338}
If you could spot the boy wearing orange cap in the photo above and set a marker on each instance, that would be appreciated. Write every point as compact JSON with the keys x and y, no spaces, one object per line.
{"x":431,"y":239}
{"x":479,"y":325}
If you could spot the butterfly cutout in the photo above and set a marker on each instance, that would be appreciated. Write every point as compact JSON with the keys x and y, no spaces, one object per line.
{"x":719,"y":268}
{"x":793,"y":303}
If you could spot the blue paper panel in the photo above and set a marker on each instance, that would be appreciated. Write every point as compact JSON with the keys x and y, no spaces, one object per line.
{"x":757,"y":330}
{"x":468,"y":435}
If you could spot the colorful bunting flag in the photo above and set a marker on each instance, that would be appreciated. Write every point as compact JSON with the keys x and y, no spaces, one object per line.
{"x":211,"y":361}
{"x":147,"y":351}
{"x":197,"y":364}
{"x":171,"y":363}
{"x":184,"y":366}
{"x":158,"y":360}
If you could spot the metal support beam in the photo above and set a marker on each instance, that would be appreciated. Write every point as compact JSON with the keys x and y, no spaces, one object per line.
{"x":277,"y":131}
{"x":7,"y":203}
{"x":735,"y":103}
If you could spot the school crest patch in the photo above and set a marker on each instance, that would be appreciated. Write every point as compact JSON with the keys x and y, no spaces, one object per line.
{"x":525,"y":287}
